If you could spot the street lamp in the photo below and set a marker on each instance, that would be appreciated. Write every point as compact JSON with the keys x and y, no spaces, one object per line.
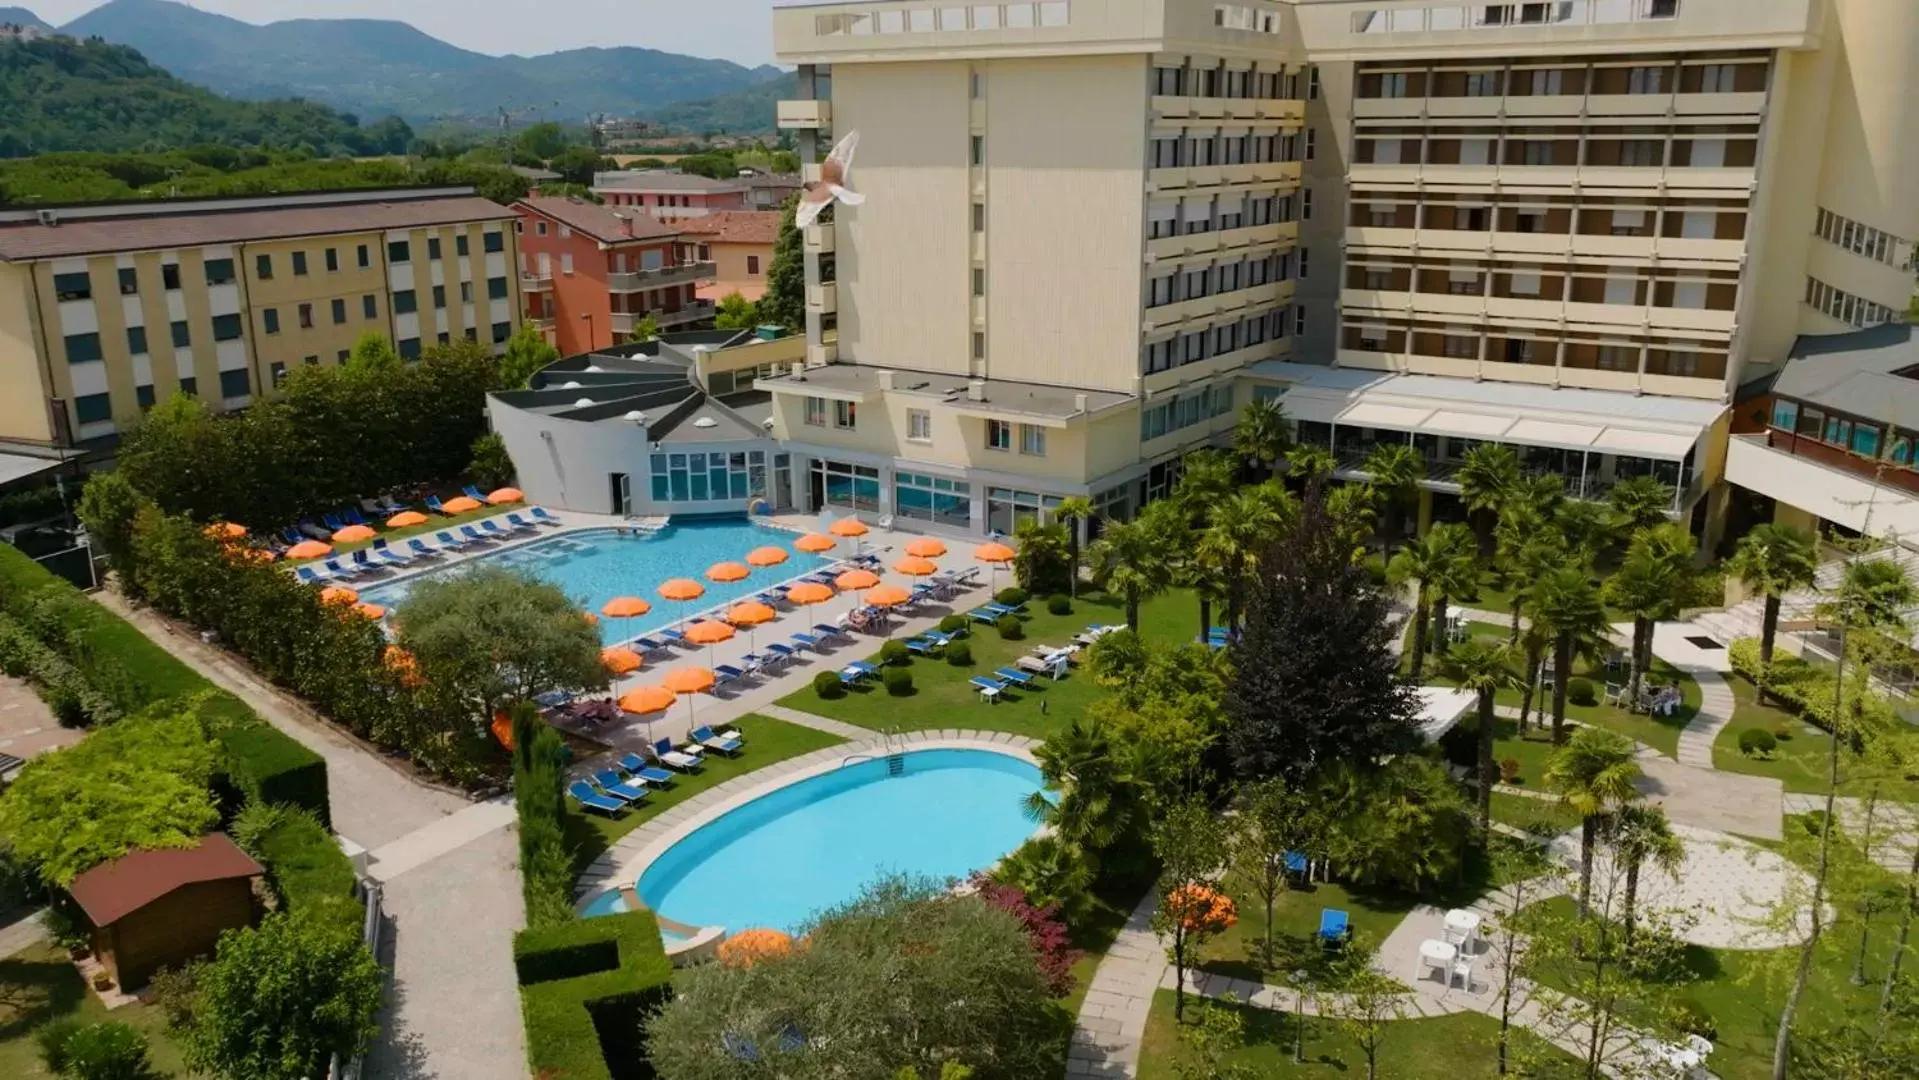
{"x":1299,"y":1016}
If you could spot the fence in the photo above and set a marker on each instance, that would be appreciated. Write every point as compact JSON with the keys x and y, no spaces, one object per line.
{"x":349,"y":1069}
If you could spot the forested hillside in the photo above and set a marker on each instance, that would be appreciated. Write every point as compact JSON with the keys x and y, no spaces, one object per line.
{"x":220,"y":170}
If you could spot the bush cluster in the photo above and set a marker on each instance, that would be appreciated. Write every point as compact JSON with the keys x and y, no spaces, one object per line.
{"x":539,"y":798}
{"x":894,"y":652}
{"x":898,"y":682}
{"x":1010,"y":627}
{"x":952,"y":624}
{"x":829,"y":685}
{"x":65,"y":689}
{"x":33,"y":504}
{"x":306,"y":869}
{"x":1011,"y":596}
{"x":1059,"y":605}
{"x":960,"y":654}
{"x":1802,"y":689}
{"x":1581,"y":692}
{"x":105,"y":1050}
{"x":1757,"y":742}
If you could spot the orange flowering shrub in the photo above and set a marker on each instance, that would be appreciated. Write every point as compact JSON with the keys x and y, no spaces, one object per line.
{"x":1202,"y":909}
{"x":749,"y":947}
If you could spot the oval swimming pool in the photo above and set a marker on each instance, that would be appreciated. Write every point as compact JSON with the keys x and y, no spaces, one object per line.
{"x":814,"y":844}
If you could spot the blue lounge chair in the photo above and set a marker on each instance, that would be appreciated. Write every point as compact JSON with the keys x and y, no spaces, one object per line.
{"x":726,"y":673}
{"x":615,"y":785}
{"x":333,"y":567}
{"x":332,"y":522}
{"x":521,"y":523}
{"x":1001,"y":609}
{"x":648,"y":645}
{"x":728,"y":744}
{"x":981,"y":614}
{"x":827,"y":632}
{"x":317,"y":532}
{"x":352,"y":516}
{"x":1295,"y":863}
{"x":1015,"y":676}
{"x":473,"y":493}
{"x":989,"y":689}
{"x":307,"y":576}
{"x":468,"y":532}
{"x":863,"y":670}
{"x":540,"y":515}
{"x":771,"y":597}
{"x":664,"y":753}
{"x":390,"y":554}
{"x":784,"y":652}
{"x":492,"y":528}
{"x":292,"y":535}
{"x":448,"y":541}
{"x":807,"y":640}
{"x":921,"y":647}
{"x":363,"y":562}
{"x":434,"y":504}
{"x":636,"y":765}
{"x":1334,"y":926}
{"x":421,"y":548}
{"x":673,"y":637}
{"x":552,"y":699}
{"x":584,"y":794}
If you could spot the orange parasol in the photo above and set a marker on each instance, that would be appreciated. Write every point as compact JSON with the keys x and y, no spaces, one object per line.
{"x":809,"y":592}
{"x":647,"y":699}
{"x":849,"y":527}
{"x":225,"y":530}
{"x":926,"y":548}
{"x":309,"y":549}
{"x":815,"y":543}
{"x":501,"y":496}
{"x":406,"y":519}
{"x":338,"y":594}
{"x":690,"y":680}
{"x":993,"y":552}
{"x":371,"y":611}
{"x":766,"y":556}
{"x":625,"y":607}
{"x":461,"y":505}
{"x":854,"y":580}
{"x":708,"y":632}
{"x":887,"y":596}
{"x":727,"y":571}
{"x":620,"y":660}
{"x":682,"y":589}
{"x":914,"y":566}
{"x":353,"y":534}
{"x":750,"y":613}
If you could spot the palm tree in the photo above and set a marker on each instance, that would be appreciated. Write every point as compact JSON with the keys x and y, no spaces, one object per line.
{"x":1461,"y":579}
{"x":1050,"y":872}
{"x":1095,"y":801}
{"x":1487,"y":478}
{"x":1042,"y":548}
{"x":1525,"y":546}
{"x":1565,"y":604}
{"x":1639,"y":502}
{"x":1485,"y":667}
{"x":1642,"y":834}
{"x":1312,"y":464}
{"x":1543,"y":492}
{"x":1443,"y":557}
{"x":1260,"y":436}
{"x":1136,"y":558}
{"x":1532,"y":644}
{"x":1773,"y":560}
{"x":1654,"y":582}
{"x":1239,"y":527}
{"x":1586,"y":527}
{"x":1594,"y":774}
{"x":1874,"y":594}
{"x":1072,"y":512}
{"x":1352,"y":512}
{"x":1206,"y":478}
{"x":1396,"y":469}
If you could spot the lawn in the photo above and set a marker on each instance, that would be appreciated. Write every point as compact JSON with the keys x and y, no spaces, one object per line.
{"x":435,"y":523}
{"x":1533,"y":815}
{"x":942,"y":698}
{"x":1495,"y":597}
{"x":1458,"y":1047}
{"x":767,"y":741}
{"x":40,"y":985}
{"x":1800,"y":760}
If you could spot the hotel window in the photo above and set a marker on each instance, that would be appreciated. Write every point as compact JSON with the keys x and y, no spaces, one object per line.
{"x":845,"y":415}
{"x":1617,"y":358}
{"x":1548,"y":83}
{"x":219,"y":271}
{"x":93,"y":408}
{"x":1865,"y":439}
{"x":270,"y":320}
{"x":979,"y":149}
{"x":83,"y":348}
{"x":226,"y":327}
{"x":409,"y":348}
{"x":1629,"y":223}
{"x":369,"y":307}
{"x":263,"y":267}
{"x":1717,"y":79}
{"x":1299,"y":320}
{"x":539,"y":228}
{"x":439,"y":297}
{"x":299,"y":264}
{"x":170,"y":275}
{"x":339,"y":312}
{"x":1161,"y":291}
{"x":979,"y":281}
{"x":1032,"y":440}
{"x":332,"y":260}
{"x":999,"y":435}
{"x":1392,"y":84}
{"x":432,"y":248}
{"x":129,"y":281}
{"x":1641,"y":153}
{"x":1646,"y":80}
{"x":235,"y":383}
{"x":979,"y":345}
{"x":405,"y":302}
{"x":1309,"y":143}
{"x":919,"y":425}
{"x":466,"y":292}
{"x":1166,"y":81}
{"x":143,"y":396}
{"x":1005,"y":508}
{"x":364,"y":256}
{"x":502,"y":331}
{"x":816,"y":412}
{"x":306,"y":316}
{"x":1536,"y":152}
{"x":72,"y":287}
{"x":399,"y":251}
{"x":137,"y":340}
{"x":460,"y":244}
{"x":1161,"y":355}
{"x":1785,"y":414}
{"x":277,"y":373}
{"x":979,"y":217}
{"x":1312,"y":84}
{"x":189,"y":386}
{"x":933,"y":498}
{"x":496,"y":288}
{"x":1811,"y":423}
{"x":1482,"y":84}
{"x":1524,"y":284}
{"x":1303,"y":254}
{"x":180,"y":336}
{"x":493,"y":242}
{"x":1459,"y":347}
{"x":753,"y":264}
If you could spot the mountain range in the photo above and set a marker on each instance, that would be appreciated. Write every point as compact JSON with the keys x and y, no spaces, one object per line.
{"x":375,"y":68}
{"x":19,"y":16}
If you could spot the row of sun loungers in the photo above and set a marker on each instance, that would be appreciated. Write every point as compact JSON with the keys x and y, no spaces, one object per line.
{"x":611,"y":791}
{"x":380,"y":555}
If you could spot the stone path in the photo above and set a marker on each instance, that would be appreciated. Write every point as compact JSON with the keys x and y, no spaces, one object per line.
{"x":818,"y":723}
{"x":1112,"y":1020}
{"x":27,"y":726}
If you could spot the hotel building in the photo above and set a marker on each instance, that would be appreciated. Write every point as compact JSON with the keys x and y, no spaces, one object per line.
{"x":1095,"y":230}
{"x":106,"y":309}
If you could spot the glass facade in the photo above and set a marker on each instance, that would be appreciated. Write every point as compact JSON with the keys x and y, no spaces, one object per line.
{"x":1006,"y":508}
{"x":710,"y":476}
{"x":920,"y":497}
{"x":846,"y":486}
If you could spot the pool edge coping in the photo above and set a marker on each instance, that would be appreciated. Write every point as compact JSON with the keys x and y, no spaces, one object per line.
{"x":638,"y":850}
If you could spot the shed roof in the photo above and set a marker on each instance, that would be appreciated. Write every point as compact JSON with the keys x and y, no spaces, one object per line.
{"x":735,"y":227}
{"x":117,"y":888}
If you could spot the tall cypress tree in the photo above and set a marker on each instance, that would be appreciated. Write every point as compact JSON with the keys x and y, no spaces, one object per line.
{"x":785,"y":301}
{"x":1315,"y":682}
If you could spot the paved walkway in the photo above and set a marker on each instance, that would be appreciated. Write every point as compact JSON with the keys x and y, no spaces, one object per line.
{"x":1112,"y":1020}
{"x":27,"y":726}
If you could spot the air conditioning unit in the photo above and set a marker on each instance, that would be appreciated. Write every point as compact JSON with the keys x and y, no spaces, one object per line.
{"x":49,"y":218}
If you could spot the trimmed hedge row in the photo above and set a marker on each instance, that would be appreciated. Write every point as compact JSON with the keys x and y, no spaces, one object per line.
{"x":305,"y":865}
{"x":591,"y":1026}
{"x":115,"y":658}
{"x":1800,"y":688}
{"x":539,"y":801}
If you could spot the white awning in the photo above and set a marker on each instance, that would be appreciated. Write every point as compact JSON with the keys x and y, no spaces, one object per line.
{"x":1391,"y":417}
{"x":1440,"y":707}
{"x":1311,"y":408}
{"x":1467,"y":425}
{"x":1652,"y":444}
{"x":1546,"y":433}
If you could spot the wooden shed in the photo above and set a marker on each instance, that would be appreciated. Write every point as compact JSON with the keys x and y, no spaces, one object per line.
{"x":154,"y":909}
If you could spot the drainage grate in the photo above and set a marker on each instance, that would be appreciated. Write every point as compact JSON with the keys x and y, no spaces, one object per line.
{"x":1703,"y":642}
{"x":896,"y":764}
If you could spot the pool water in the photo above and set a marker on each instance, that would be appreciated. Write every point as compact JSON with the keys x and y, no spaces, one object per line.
{"x":813,"y":845}
{"x":596,"y":565}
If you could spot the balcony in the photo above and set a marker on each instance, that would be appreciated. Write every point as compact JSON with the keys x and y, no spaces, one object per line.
{"x":536,"y":281}
{"x":818,"y":238}
{"x":627,"y":322}
{"x":824,"y":299}
{"x":805,"y":114}
{"x":639,"y":280}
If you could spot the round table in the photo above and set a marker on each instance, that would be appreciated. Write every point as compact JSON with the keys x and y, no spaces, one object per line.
{"x":1438,"y":953}
{"x":1463,"y":923}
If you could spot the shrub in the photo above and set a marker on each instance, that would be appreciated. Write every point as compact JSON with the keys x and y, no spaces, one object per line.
{"x":576,"y":1024}
{"x":1011,"y":596}
{"x":1044,"y":927}
{"x":1580,"y":692}
{"x":1757,"y":742}
{"x":52,"y":1040}
{"x":1508,"y":770}
{"x":1692,"y":1018}
{"x":899,"y":682}
{"x":1059,"y":605}
{"x":305,"y":866}
{"x":1802,"y":689}
{"x":828,"y":685}
{"x":953,"y":624}
{"x":894,"y":652}
{"x":265,"y":764}
{"x":1010,"y":628}
{"x":960,"y":654}
{"x":108,"y":1050}
{"x":539,"y":779}
{"x":1783,"y":731}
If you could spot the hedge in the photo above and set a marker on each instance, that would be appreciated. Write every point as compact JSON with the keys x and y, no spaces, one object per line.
{"x":259,"y":760}
{"x":304,"y":863}
{"x":539,"y":802}
{"x":591,"y":1026}
{"x":564,"y":951}
{"x":1800,"y":688}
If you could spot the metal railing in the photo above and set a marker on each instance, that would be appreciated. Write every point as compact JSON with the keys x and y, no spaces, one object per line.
{"x":635,"y":280}
{"x":369,"y":890}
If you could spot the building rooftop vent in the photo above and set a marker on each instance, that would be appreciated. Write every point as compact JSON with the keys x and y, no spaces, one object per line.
{"x":706,"y":422}
{"x":583,"y":403}
{"x":570,"y":386}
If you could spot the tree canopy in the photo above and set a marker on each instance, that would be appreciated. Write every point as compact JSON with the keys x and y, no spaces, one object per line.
{"x":279,"y":999}
{"x":784,"y":303}
{"x":499,"y":637}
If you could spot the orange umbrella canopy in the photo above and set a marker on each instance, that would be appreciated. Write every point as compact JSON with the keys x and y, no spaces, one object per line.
{"x":815,"y":543}
{"x":620,"y":660}
{"x":849,"y":527}
{"x":226,"y":530}
{"x":625,"y":607}
{"x":993,"y":552}
{"x":766,"y":556}
{"x":647,"y":699}
{"x":690,"y":680}
{"x":809,"y":592}
{"x":708,"y":632}
{"x":309,"y":549}
{"x":460,"y":505}
{"x":887,"y":596}
{"x":338,"y":594}
{"x":500,"y":496}
{"x":750,"y":613}
{"x":914,"y":566}
{"x":681,"y":588}
{"x":254,"y":553}
{"x":406,"y":519}
{"x":726,"y":571}
{"x":926,"y":548}
{"x":854,"y":580}
{"x":371,"y":611}
{"x":353,"y":534}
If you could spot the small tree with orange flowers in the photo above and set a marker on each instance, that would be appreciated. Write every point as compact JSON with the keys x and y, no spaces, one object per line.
{"x":1190,"y":841}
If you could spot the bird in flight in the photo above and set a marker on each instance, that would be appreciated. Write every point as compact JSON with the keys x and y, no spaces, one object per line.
{"x":817,"y":195}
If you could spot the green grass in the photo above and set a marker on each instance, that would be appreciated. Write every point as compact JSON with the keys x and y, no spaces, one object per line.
{"x":1496,"y":597}
{"x":435,"y":523}
{"x":40,"y":985}
{"x":942,"y":698}
{"x":1800,"y":762}
{"x":767,"y":741}
{"x":1458,"y":1047}
{"x":1532,"y":814}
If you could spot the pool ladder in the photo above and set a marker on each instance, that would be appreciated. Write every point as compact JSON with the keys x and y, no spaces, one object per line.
{"x":895,"y":759}
{"x":896,"y":764}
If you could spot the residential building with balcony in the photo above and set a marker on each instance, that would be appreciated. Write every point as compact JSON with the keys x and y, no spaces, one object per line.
{"x":671,"y":196}
{"x":106,"y":309}
{"x":739,"y":244}
{"x":591,"y":273}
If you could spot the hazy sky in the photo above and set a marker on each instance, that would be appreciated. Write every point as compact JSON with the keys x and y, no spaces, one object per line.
{"x":738,"y":30}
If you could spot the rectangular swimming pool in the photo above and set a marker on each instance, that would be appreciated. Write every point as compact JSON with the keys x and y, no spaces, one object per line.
{"x":596,"y":565}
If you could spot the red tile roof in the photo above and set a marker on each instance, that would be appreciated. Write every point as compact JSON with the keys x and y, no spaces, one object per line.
{"x":115,"y":889}
{"x":602,"y":223}
{"x":150,"y":232}
{"x":735,"y":226}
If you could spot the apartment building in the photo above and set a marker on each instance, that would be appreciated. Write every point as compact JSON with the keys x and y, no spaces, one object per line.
{"x":1574,"y":227}
{"x":592,"y":273}
{"x":106,"y":309}
{"x":739,"y":244}
{"x":671,"y":196}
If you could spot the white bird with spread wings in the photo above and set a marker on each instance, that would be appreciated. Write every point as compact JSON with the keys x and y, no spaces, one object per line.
{"x":817,"y":195}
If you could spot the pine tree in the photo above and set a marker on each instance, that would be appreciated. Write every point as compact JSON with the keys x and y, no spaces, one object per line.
{"x":785,"y":301}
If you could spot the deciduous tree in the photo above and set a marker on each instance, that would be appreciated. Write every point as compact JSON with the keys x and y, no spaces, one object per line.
{"x":499,"y":636}
{"x":281,"y":998}
{"x":1192,"y":845}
